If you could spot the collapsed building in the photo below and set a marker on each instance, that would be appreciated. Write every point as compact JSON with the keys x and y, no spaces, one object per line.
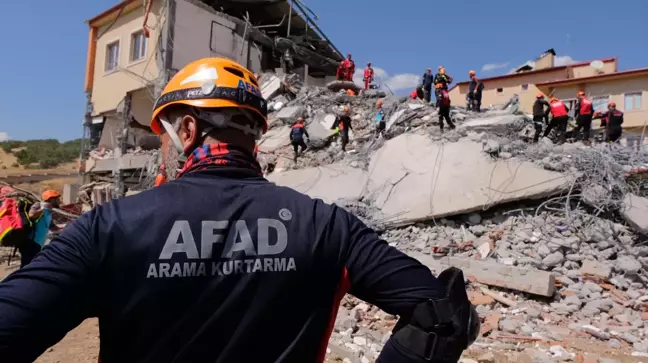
{"x":552,"y":238}
{"x":135,"y":47}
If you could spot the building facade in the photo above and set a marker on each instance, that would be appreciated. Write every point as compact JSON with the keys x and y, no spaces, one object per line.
{"x":135,"y":47}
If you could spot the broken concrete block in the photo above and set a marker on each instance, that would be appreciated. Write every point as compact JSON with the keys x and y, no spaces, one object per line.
{"x":329,"y":183}
{"x":595,"y":268}
{"x":290,"y":114}
{"x":491,"y":273}
{"x":338,"y":85}
{"x":498,"y":123}
{"x":274,"y":139}
{"x":270,"y":86}
{"x":635,"y":212}
{"x":373,"y":93}
{"x":393,"y":118}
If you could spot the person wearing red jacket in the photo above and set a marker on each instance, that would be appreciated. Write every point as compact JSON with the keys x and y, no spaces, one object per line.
{"x":368,"y":76}
{"x":346,"y":69}
{"x":583,"y":111}
{"x":560,"y":116}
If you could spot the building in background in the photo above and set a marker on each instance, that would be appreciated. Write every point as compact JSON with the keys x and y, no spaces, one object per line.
{"x":135,"y":47}
{"x":600,"y":80}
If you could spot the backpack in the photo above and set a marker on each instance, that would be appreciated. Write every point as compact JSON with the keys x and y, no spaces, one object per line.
{"x":15,"y":226}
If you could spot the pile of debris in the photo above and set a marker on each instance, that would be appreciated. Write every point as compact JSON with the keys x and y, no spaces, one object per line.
{"x":551,"y":237}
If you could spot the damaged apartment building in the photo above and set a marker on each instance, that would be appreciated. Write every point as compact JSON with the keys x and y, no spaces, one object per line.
{"x":135,"y":47}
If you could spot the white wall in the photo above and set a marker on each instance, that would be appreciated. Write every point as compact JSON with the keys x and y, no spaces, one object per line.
{"x":193,"y":26}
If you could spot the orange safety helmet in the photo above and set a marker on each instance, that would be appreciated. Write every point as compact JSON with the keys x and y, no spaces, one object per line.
{"x":213,"y":83}
{"x":49,"y":194}
{"x":539,"y":95}
{"x":379,"y":103}
{"x":553,"y":99}
{"x":611,"y":104}
{"x":580,"y":93}
{"x":471,"y":73}
{"x":345,"y":109}
{"x":350,"y":92}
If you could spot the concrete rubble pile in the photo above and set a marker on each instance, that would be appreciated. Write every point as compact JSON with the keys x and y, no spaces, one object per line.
{"x":552,"y":238}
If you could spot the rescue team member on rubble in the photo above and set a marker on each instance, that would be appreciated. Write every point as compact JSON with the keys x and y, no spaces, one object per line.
{"x":297,"y":133}
{"x":40,"y":214}
{"x":380,"y":119}
{"x":559,"y":118}
{"x":612,"y":121}
{"x":368,"y":76}
{"x":220,"y":265}
{"x":540,"y":115}
{"x":426,"y":83}
{"x":441,"y":81}
{"x":443,"y":104}
{"x":342,"y":125}
{"x":584,"y":110}
{"x":474,"y":95}
{"x":346,"y":69}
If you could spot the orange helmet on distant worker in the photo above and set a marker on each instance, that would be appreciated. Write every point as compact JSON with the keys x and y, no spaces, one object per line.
{"x":539,"y":95}
{"x":611,"y":104}
{"x":553,"y":99}
{"x":214,"y":83}
{"x":472,"y":73}
{"x":580,"y":93}
{"x":49,"y":194}
{"x":379,"y":103}
{"x":345,"y":109}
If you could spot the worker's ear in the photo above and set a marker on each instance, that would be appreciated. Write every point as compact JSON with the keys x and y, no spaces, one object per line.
{"x":189,"y":133}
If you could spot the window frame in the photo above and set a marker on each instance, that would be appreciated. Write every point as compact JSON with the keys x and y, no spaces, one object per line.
{"x":607,"y":100}
{"x":636,"y":93}
{"x":116,"y":42}
{"x":131,"y":53}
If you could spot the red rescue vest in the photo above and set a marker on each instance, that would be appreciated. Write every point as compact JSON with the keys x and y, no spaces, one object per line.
{"x":558,"y":109}
{"x":368,"y":73}
{"x":585,"y":106}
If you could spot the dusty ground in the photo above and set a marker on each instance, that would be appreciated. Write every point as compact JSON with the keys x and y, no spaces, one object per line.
{"x":81,"y":345}
{"x":7,"y":168}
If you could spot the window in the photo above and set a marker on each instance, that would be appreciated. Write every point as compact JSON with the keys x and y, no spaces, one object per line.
{"x":525,"y":87}
{"x":570,"y":103}
{"x":500,"y":91}
{"x":138,"y":46}
{"x":600,"y":103}
{"x":632,"y":101}
{"x":112,"y":56}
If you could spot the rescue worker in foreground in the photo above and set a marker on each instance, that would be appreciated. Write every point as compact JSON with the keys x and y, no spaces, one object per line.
{"x":342,"y":125}
{"x":584,"y":111}
{"x":613,"y":121}
{"x":443,"y":104}
{"x":297,"y":133}
{"x":475,"y":88}
{"x":220,"y":265}
{"x":540,"y":115}
{"x":426,"y":83}
{"x":441,"y":81}
{"x":368,"y":76}
{"x":40,"y":215}
{"x":559,"y":119}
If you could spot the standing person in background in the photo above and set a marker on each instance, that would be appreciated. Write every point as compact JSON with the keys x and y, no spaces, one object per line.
{"x":584,"y":111}
{"x":441,"y":81}
{"x":443,"y":103}
{"x":343,"y":124}
{"x":40,"y":215}
{"x":475,"y":89}
{"x":368,"y":76}
{"x":297,"y":133}
{"x":426,"y":84}
{"x":613,"y":119}
{"x":559,"y":118}
{"x":540,"y":115}
{"x":380,"y":119}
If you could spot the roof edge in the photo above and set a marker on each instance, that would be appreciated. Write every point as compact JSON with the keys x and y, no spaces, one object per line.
{"x":628,"y":72}
{"x":504,"y":76}
{"x":109,"y":12}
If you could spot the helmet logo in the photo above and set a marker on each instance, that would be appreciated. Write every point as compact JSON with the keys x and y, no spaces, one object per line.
{"x":249,"y":87}
{"x":201,"y":75}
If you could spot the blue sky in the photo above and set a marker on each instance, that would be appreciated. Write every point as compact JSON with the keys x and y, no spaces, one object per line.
{"x":45,"y":44}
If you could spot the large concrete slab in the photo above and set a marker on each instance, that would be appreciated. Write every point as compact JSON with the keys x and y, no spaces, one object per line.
{"x":491,"y":273}
{"x":329,"y":183}
{"x":290,"y":114}
{"x":502,"y":122}
{"x":413,"y":178}
{"x":635,"y":212}
{"x":270,"y":85}
{"x":128,"y":161}
{"x":274,"y":139}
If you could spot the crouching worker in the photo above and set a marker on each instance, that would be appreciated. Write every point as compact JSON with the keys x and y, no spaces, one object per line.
{"x":40,"y":214}
{"x":297,"y":133}
{"x":212,"y":261}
